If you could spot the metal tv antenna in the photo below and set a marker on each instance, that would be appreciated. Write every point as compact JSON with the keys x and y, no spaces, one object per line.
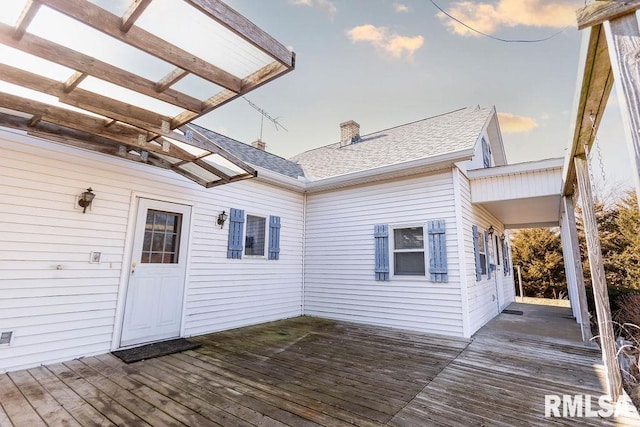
{"x":264,"y":114}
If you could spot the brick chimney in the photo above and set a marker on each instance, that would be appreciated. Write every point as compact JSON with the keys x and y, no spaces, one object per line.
{"x":349,"y":132}
{"x":259,"y":144}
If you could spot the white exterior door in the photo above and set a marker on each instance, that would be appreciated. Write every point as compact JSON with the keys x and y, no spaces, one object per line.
{"x":153,"y":307}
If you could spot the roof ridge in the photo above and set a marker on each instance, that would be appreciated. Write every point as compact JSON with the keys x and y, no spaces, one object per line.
{"x":419,"y":120}
{"x":390,"y":128}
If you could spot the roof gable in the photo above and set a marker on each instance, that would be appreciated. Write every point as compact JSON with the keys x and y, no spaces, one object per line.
{"x":456,"y":131}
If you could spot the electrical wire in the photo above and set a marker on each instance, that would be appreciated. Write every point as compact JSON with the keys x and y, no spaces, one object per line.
{"x":494,"y":37}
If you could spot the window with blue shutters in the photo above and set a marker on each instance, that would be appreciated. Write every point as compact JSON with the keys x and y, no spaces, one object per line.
{"x":480,"y":246}
{"x":408,"y":251}
{"x":274,"y":237}
{"x":437,"y":251}
{"x":236,"y":231}
{"x":381,"y":235}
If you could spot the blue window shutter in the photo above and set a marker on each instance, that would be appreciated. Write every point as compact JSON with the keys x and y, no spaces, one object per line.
{"x":274,"y":237}
{"x":476,"y":252}
{"x":437,"y":250}
{"x":381,"y":234}
{"x":236,"y":230}
{"x":486,"y":153}
{"x":505,"y":257}
{"x":486,"y":248}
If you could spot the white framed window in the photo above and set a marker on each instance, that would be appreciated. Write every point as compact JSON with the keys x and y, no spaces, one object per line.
{"x":409,"y":254}
{"x":482,"y":251}
{"x":255,"y":232}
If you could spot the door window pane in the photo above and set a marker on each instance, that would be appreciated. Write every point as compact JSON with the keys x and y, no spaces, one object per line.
{"x":161,"y":238}
{"x":254,"y":241}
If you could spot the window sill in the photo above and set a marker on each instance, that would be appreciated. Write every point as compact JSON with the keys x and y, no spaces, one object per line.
{"x":421,"y":279}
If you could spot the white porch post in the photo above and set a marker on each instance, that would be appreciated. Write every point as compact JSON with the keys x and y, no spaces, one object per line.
{"x":623,"y":40}
{"x":598,"y":281}
{"x":573,"y":266}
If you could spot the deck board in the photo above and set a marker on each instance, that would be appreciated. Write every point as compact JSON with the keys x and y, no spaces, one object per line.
{"x":312,"y":372}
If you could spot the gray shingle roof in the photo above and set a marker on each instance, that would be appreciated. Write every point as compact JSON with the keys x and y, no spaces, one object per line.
{"x":446,"y":133}
{"x":254,"y":156}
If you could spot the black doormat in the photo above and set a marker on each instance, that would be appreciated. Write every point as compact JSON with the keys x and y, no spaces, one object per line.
{"x":157,"y":349}
{"x":517,"y":312}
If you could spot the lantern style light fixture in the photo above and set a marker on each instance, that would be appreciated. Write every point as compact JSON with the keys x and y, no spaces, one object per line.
{"x":222,"y":217}
{"x":86,"y":199}
{"x":490,"y":230}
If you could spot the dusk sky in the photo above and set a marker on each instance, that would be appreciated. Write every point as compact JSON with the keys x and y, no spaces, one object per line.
{"x":386,"y":63}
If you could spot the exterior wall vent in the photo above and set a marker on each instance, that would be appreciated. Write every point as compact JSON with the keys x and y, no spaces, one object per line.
{"x":5,"y":337}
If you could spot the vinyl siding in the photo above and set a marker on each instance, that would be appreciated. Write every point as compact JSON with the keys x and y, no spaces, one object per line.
{"x":339,"y":258}
{"x":61,"y":307}
{"x":521,"y":185}
{"x":482,"y":295}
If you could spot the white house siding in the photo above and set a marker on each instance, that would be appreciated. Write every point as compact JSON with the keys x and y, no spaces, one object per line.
{"x":60,"y":306}
{"x":339,"y":257}
{"x":517,"y":185}
{"x":482,"y":295}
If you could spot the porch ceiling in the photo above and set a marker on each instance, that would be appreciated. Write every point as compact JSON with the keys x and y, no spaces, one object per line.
{"x":127,"y":80}
{"x":523,"y":195}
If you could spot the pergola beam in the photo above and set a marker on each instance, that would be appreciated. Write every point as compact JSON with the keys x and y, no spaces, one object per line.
{"x":204,"y":143}
{"x":604,"y":10}
{"x":89,"y":101}
{"x":253,"y":81}
{"x":92,"y":125}
{"x":170,"y":79}
{"x":108,"y":23}
{"x":597,"y":82}
{"x":69,"y":58}
{"x":133,"y":13}
{"x":27,"y":15}
{"x":241,"y":26}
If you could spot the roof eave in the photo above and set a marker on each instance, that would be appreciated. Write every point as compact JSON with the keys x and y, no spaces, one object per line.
{"x":516,"y":168}
{"x":412,"y":167}
{"x":274,"y":178}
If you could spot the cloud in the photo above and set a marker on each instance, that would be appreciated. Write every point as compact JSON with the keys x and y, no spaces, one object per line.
{"x":391,"y":43}
{"x":325,"y":5}
{"x":400,"y":8}
{"x":510,"y":123}
{"x":489,"y":17}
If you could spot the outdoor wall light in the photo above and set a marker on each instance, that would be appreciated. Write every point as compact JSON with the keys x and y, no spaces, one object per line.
{"x":222,"y":218}
{"x":86,"y":199}
{"x":490,"y":230}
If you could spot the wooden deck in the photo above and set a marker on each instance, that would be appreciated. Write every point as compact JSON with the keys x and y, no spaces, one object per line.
{"x":307,"y":372}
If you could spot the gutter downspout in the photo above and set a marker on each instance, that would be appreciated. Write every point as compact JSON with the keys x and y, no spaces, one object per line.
{"x":304,"y":252}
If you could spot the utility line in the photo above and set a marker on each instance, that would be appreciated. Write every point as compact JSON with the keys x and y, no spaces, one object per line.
{"x":494,"y":37}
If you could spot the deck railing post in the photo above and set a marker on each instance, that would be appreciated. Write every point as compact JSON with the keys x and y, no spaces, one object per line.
{"x":598,"y":281}
{"x":573,"y":264}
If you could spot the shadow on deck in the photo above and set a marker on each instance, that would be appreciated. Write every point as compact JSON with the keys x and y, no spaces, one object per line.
{"x":308,"y":371}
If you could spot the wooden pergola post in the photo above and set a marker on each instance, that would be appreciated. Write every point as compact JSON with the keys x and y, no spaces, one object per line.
{"x":598,"y":281}
{"x":573,"y":264}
